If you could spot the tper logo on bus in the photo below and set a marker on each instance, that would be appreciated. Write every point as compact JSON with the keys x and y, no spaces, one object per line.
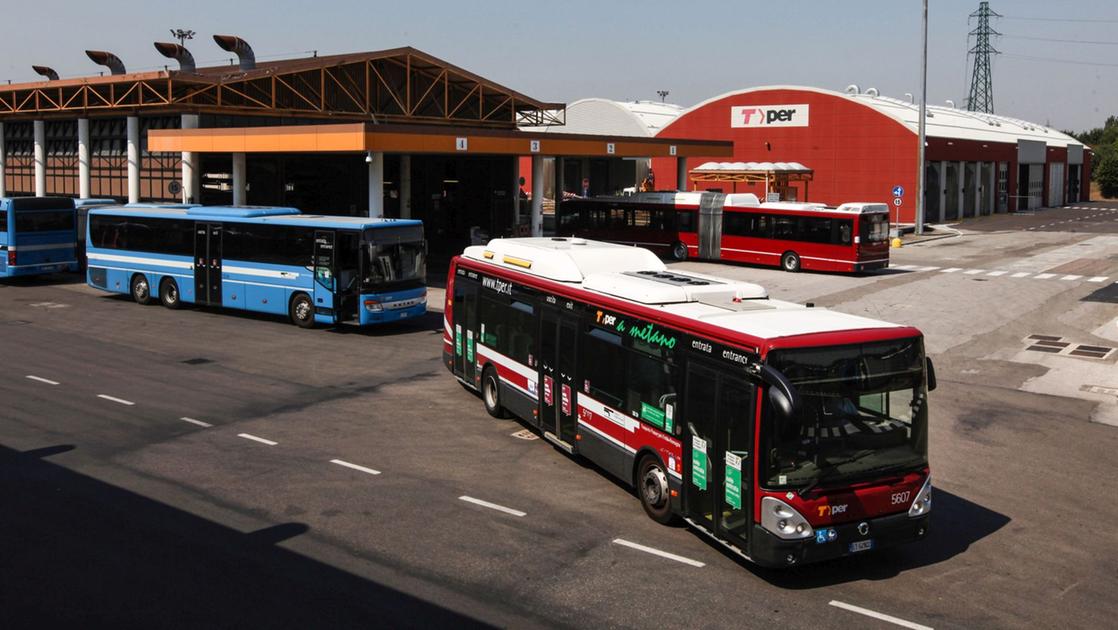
{"x":831,"y":510}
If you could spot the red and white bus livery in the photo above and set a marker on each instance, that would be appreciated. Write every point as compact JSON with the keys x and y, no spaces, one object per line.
{"x":788,"y":433}
{"x":854,"y":237}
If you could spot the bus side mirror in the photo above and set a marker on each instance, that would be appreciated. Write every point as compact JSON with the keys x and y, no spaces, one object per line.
{"x":931,"y":371}
{"x":782,"y":394}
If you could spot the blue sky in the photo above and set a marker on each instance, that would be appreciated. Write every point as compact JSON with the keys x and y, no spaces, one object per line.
{"x":624,"y":49}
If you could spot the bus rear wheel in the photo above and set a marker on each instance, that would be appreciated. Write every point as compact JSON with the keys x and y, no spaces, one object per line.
{"x":141,"y":290}
{"x":302,"y":311}
{"x":652,"y":488}
{"x":169,"y":294}
{"x":491,"y":393}
{"x":790,"y":261}
{"x":679,"y":252}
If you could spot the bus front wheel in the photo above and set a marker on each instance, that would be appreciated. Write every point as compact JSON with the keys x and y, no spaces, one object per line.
{"x":790,"y":261}
{"x":491,"y":393}
{"x":169,"y":293}
{"x":652,"y":488}
{"x":141,"y":290}
{"x":679,"y":251}
{"x":302,"y":311}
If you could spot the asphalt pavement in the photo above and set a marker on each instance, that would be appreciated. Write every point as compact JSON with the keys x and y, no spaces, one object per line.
{"x":198,"y":468}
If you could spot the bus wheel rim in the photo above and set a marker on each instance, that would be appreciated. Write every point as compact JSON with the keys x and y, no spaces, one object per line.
{"x":302,"y":310}
{"x":655,"y":486}
{"x":172,"y":294}
{"x":141,"y":289}
{"x":490,"y":392}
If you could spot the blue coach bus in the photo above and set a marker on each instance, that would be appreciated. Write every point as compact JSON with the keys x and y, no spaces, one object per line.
{"x":37,"y":236}
{"x":312,"y":268}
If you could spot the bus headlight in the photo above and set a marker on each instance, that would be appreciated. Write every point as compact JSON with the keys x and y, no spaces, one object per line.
{"x":781,"y":519}
{"x":923,"y":503}
{"x":373,"y":306}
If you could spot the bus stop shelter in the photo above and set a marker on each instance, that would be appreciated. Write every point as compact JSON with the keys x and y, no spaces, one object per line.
{"x":778,"y":177}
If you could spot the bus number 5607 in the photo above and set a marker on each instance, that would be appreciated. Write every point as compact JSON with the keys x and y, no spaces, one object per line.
{"x":901,"y":497}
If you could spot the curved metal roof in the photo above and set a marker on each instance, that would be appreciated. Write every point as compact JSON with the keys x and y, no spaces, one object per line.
{"x":601,"y":116}
{"x":942,"y":122}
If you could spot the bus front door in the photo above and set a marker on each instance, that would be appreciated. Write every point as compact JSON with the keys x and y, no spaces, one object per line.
{"x":324,"y":275}
{"x":558,"y":343}
{"x":207,"y":263}
{"x":465,"y":324}
{"x":718,"y":453}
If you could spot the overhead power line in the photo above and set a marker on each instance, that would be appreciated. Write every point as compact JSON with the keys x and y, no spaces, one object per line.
{"x":1063,"y":41}
{"x":1051,"y":19}
{"x":1055,"y":60}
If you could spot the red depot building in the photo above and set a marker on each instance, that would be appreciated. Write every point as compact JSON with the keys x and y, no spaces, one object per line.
{"x":860,"y":146}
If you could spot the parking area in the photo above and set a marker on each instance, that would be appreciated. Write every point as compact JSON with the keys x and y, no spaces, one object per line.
{"x":232,"y":469}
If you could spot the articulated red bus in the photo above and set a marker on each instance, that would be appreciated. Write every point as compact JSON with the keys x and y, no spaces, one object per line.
{"x":788,"y":433}
{"x":853,"y":237}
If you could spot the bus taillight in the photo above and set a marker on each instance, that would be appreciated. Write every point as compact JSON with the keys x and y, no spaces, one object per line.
{"x":11,"y":258}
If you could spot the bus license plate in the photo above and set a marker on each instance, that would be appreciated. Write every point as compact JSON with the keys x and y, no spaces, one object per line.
{"x":861,"y":545}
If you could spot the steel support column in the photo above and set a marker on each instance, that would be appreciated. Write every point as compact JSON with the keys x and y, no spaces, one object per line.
{"x":191,"y":176}
{"x":3,"y":169}
{"x":83,"y":159}
{"x":942,"y":192}
{"x":133,"y":159}
{"x":560,"y":185}
{"x":40,"y":131}
{"x":376,"y":185}
{"x":240,"y":179}
{"x":962,"y":192}
{"x":537,"y":195}
{"x":515,"y":193}
{"x":681,"y":173}
{"x":405,"y":186}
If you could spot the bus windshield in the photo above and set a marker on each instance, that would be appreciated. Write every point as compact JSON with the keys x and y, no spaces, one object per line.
{"x":864,"y":413}
{"x":392,"y":257}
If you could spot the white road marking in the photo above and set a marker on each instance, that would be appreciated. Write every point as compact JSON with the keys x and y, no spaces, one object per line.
{"x":904,"y":267}
{"x":42,"y":380}
{"x":492,"y":506}
{"x":974,"y":272}
{"x":951,"y":270}
{"x":926,"y":268}
{"x":876,"y":615}
{"x":657,"y":552}
{"x":997,"y":273}
{"x":197,"y":422}
{"x":355,"y":466}
{"x":1021,"y":274}
{"x":1071,"y":277}
{"x":116,"y":400}
{"x":248,"y":436}
{"x":1097,"y":279}
{"x":1044,"y":276}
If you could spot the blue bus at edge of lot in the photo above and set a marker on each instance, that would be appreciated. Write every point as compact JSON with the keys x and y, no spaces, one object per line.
{"x":37,"y":236}
{"x":312,"y":268}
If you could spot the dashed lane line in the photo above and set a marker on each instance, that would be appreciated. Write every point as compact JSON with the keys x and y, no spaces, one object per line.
{"x":951,"y":270}
{"x":492,"y":506}
{"x":997,"y":273}
{"x":41,"y":379}
{"x":1097,"y":279}
{"x":197,"y":422}
{"x":369,"y":471}
{"x":1021,"y":274}
{"x":1071,"y":277}
{"x":657,"y":552}
{"x":249,"y":436}
{"x":974,"y":272}
{"x":1044,"y":276}
{"x":904,"y":623}
{"x":116,"y":400}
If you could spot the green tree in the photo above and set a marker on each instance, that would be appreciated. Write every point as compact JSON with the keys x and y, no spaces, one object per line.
{"x":1107,"y":174}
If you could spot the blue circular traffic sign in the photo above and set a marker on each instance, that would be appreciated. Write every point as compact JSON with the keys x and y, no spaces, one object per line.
{"x":898,"y":191}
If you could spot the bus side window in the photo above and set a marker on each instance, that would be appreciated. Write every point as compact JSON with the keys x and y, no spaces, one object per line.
{"x":686,"y":220}
{"x":845,"y":228}
{"x":650,"y":388}
{"x":603,"y":367}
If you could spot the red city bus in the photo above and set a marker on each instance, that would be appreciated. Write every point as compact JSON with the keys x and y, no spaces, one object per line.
{"x":853,"y":237}
{"x":788,"y":433}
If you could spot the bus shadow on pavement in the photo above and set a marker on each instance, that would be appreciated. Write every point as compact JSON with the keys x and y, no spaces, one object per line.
{"x":49,"y":280}
{"x":79,"y":552}
{"x":956,"y":525}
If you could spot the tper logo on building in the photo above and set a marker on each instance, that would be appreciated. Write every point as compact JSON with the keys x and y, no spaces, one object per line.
{"x":769,"y":116}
